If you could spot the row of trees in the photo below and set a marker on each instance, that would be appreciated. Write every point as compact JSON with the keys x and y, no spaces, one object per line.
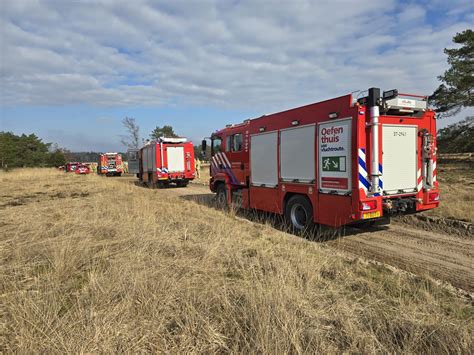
{"x":458,"y":137}
{"x":28,"y":151}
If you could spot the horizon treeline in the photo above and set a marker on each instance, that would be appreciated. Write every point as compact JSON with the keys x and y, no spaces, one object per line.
{"x":457,"y":137}
{"x":28,"y":151}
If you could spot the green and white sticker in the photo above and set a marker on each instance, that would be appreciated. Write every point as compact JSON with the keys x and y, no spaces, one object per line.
{"x":334,"y":164}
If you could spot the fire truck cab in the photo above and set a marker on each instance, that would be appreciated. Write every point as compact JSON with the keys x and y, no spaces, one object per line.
{"x":336,"y":162}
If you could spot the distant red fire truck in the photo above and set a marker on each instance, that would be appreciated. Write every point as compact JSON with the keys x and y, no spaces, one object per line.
{"x":335,"y":162}
{"x":168,"y":160}
{"x":82,"y":169}
{"x":71,"y":167}
{"x":110,"y":164}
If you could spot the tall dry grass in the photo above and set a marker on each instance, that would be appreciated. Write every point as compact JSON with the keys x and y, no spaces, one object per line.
{"x":204,"y":175}
{"x":94,"y":264}
{"x":457,"y":191}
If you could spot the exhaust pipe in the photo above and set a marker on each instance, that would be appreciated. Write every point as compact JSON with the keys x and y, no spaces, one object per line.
{"x":374,"y":99}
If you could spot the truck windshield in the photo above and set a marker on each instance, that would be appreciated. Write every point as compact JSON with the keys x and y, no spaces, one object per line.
{"x":216,"y":146}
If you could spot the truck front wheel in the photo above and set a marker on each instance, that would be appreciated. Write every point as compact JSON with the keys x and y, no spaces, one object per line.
{"x":299,"y":213}
{"x":221,"y":196}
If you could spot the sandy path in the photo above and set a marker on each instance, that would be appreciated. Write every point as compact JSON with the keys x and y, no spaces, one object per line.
{"x":445,"y":257}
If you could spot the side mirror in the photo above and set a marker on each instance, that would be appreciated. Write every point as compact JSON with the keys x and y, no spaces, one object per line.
{"x":204,"y":146}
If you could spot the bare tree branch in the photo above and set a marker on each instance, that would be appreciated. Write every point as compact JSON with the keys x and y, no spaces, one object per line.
{"x":132,"y":140}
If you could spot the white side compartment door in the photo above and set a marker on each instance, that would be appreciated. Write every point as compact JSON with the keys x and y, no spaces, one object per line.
{"x":175,"y":159}
{"x":399,"y":159}
{"x":263,"y":159}
{"x":297,"y":152}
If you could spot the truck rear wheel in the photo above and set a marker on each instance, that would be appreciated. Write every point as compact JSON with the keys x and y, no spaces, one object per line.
{"x":150,"y":183}
{"x":299,"y":213}
{"x":163,"y":184}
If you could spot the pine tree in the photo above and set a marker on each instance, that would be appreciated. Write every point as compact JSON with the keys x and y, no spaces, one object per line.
{"x":457,"y":89}
{"x":165,"y":131}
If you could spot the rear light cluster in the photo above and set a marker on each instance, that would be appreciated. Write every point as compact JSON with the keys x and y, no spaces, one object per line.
{"x":368,"y":205}
{"x":433,"y":197}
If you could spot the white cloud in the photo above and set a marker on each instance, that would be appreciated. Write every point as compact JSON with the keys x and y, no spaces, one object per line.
{"x":260,"y":55}
{"x":411,"y":14}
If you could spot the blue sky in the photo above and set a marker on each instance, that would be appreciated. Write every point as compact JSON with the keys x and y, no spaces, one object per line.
{"x":72,"y":70}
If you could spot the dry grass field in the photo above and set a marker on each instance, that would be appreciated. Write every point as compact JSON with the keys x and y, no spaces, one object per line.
{"x":93,"y":264}
{"x":457,"y":191}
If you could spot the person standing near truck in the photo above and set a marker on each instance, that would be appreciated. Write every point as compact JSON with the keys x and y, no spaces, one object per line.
{"x":198,"y":168}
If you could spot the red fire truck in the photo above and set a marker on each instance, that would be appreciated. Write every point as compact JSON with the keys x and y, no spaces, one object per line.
{"x":334,"y":162}
{"x":110,"y":164}
{"x":71,"y":167}
{"x":82,"y":169}
{"x":165,"y":161}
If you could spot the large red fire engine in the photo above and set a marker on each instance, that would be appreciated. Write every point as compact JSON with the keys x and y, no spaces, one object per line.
{"x":334,"y":162}
{"x":110,"y":164}
{"x":168,"y":160}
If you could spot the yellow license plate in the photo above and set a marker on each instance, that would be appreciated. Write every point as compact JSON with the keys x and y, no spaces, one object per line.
{"x":369,"y":215}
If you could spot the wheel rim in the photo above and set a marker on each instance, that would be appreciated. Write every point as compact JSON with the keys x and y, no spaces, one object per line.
{"x":299,"y":216}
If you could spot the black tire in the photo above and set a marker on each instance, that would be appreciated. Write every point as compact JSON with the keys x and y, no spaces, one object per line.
{"x":221,"y":196}
{"x":150,"y":183}
{"x":162,"y":184}
{"x":299,"y":213}
{"x":182,"y":183}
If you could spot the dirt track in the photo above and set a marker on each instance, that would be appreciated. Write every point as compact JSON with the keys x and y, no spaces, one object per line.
{"x":445,"y":257}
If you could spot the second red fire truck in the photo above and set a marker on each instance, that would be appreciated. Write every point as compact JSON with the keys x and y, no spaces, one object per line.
{"x":335,"y":162}
{"x":110,"y":164}
{"x":71,"y":167}
{"x":165,"y":161}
